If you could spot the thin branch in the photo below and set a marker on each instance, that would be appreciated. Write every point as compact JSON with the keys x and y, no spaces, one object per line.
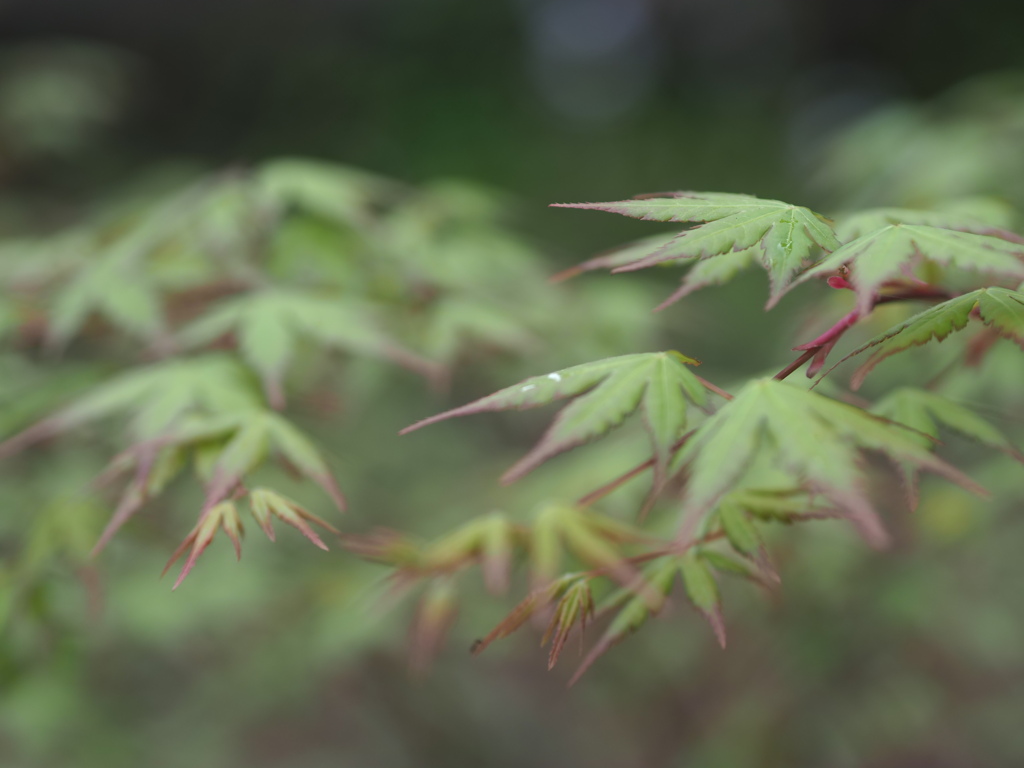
{"x":819,"y":348}
{"x":713,"y":388}
{"x":604,"y":490}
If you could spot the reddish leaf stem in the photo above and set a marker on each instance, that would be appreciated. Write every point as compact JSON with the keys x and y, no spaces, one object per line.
{"x":713,"y":388}
{"x":604,"y":490}
{"x":819,"y":348}
{"x":654,"y":554}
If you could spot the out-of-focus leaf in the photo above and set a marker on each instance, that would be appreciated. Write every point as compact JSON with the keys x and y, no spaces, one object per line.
{"x":857,"y":224}
{"x":333,"y":191}
{"x":702,"y":589}
{"x":593,"y":538}
{"x":117,"y":291}
{"x":459,"y":322}
{"x":537,"y":600}
{"x":268,"y":324}
{"x":434,"y":616}
{"x":924,"y":411}
{"x":576,"y":606}
{"x":266,"y":504}
{"x":155,"y":397}
{"x":738,"y":528}
{"x":660,"y":576}
{"x":223,"y":515}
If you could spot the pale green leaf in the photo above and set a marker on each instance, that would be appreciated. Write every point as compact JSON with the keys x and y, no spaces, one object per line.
{"x":635,"y":609}
{"x":606,"y":392}
{"x":924,"y":411}
{"x":784,"y":236}
{"x":333,"y":191}
{"x":113,"y":290}
{"x":999,"y":308}
{"x":853,"y":225}
{"x":702,"y":589}
{"x":813,"y":438}
{"x":457,"y":321}
{"x":269,"y":324}
{"x":892,"y":252}
{"x":738,"y":528}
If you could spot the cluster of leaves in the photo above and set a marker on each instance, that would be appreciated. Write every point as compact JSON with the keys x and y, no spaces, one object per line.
{"x":239,"y":285}
{"x":217,"y":301}
{"x":773,"y":450}
{"x":961,"y":143}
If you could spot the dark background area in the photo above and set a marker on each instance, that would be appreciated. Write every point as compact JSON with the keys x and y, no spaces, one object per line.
{"x":551,"y":99}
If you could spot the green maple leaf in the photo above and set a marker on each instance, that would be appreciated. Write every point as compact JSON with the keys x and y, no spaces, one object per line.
{"x":456,"y":322}
{"x":155,"y":397}
{"x":780,"y":235}
{"x":254,"y":437}
{"x":815,"y":439}
{"x":593,"y":538}
{"x":209,"y":405}
{"x":717,"y":271}
{"x":924,"y":411}
{"x":999,"y":308}
{"x":633,"y":610}
{"x":893,"y":251}
{"x":854,"y":225}
{"x":623,"y":255}
{"x":269,"y":323}
{"x":338,"y":193}
{"x":606,"y":392}
{"x":113,"y":288}
{"x":694,"y":568}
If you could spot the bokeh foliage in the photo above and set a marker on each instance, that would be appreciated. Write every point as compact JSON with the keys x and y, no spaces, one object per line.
{"x":292,"y":658}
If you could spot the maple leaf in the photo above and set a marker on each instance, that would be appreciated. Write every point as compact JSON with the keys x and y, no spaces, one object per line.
{"x":154,"y":464}
{"x":741,"y":533}
{"x":815,"y":439}
{"x":113,"y":288}
{"x":593,"y":538}
{"x":223,"y":515}
{"x":208,"y":404}
{"x":435,"y":615}
{"x":538,"y":599}
{"x":336,"y":192}
{"x":780,"y":235}
{"x":179,"y":238}
{"x":268,"y":324}
{"x":576,"y":605}
{"x":621,"y":256}
{"x":455,"y":321}
{"x":155,"y":397}
{"x":893,"y":251}
{"x":490,"y":540}
{"x":256,"y":436}
{"x":999,"y":308}
{"x":633,"y":610}
{"x":854,"y":225}
{"x":606,"y":392}
{"x":266,"y":504}
{"x":924,"y":411}
{"x":701,"y":274}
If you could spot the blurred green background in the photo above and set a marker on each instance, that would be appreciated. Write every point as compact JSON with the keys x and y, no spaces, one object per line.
{"x":911,"y":658}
